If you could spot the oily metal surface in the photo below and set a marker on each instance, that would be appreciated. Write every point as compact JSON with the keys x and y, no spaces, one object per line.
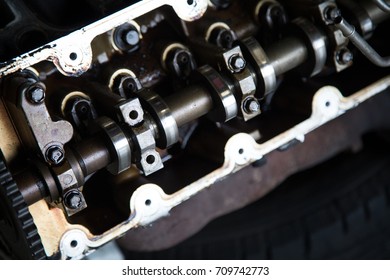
{"x":250,"y":184}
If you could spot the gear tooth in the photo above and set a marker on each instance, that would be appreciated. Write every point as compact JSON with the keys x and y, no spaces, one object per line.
{"x":31,"y":233}
{"x":35,"y":242}
{"x":3,"y":177}
{"x":28,"y":223}
{"x":25,"y":220}
{"x":11,"y":190}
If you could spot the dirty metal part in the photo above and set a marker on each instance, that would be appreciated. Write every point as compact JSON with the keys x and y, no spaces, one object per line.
{"x":225,"y":105}
{"x":244,"y":80}
{"x":83,"y":160}
{"x":128,"y":86}
{"x":19,"y":235}
{"x":151,"y":107}
{"x":149,"y":202}
{"x":221,"y":35}
{"x":118,"y":143}
{"x":168,"y":132}
{"x":46,"y":132}
{"x":272,"y":18}
{"x":366,"y":15}
{"x":55,"y":155}
{"x":287,"y":54}
{"x":124,"y":82}
{"x":265,"y":72}
{"x":349,"y":31}
{"x":78,"y":108}
{"x":126,"y":37}
{"x":92,"y":155}
{"x":251,"y":105}
{"x":147,"y":159}
{"x":68,"y":178}
{"x":315,"y":44}
{"x":189,"y":104}
{"x":33,"y":121}
{"x":179,"y":60}
{"x":337,"y":43}
{"x":72,"y":54}
{"x":37,"y":184}
{"x":344,"y":56}
{"x":131,"y":111}
{"x":256,"y":182}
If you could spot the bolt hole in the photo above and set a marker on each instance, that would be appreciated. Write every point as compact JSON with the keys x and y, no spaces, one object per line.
{"x":150,"y":159}
{"x":148,"y":202}
{"x":241,"y":151}
{"x":190,"y":2}
{"x":73,"y":56}
{"x":73,"y":244}
{"x":133,"y":115}
{"x":327,"y":103}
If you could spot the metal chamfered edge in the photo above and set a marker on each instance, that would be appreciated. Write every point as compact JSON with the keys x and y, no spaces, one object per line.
{"x":72,"y":54}
{"x":149,"y":202}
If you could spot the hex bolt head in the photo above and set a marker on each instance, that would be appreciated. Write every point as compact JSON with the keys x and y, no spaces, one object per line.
{"x":36,"y":94}
{"x":55,"y":155}
{"x":344,"y":56}
{"x":131,"y":37}
{"x":73,"y":199}
{"x":251,"y":106}
{"x":332,"y":13}
{"x":237,"y":63}
{"x":126,"y":37}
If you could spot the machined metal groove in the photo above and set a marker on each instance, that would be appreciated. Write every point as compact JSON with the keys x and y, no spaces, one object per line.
{"x":266,"y":76}
{"x":149,"y":202}
{"x":120,"y":145}
{"x":72,"y":54}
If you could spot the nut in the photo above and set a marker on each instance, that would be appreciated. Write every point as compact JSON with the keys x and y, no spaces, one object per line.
{"x":36,"y":94}
{"x":237,"y":63}
{"x":344,"y":56}
{"x":251,"y":105}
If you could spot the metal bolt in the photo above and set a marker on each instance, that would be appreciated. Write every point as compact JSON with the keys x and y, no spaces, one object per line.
{"x":126,"y":37}
{"x":344,"y":56}
{"x":332,"y":13}
{"x":131,"y":37}
{"x":73,"y":199}
{"x":237,"y":63}
{"x":251,"y":106}
{"x":36,"y":95}
{"x":55,"y":155}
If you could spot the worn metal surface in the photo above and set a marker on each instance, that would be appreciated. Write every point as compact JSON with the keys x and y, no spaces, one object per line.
{"x":72,"y":54}
{"x":252,"y":183}
{"x":149,"y":202}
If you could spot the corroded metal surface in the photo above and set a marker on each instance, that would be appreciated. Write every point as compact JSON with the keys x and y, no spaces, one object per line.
{"x":72,"y":54}
{"x":149,"y":202}
{"x":252,"y":183}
